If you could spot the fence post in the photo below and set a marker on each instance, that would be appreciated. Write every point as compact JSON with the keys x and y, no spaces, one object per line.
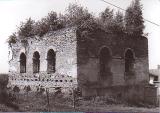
{"x":47,"y":93}
{"x":74,"y":104}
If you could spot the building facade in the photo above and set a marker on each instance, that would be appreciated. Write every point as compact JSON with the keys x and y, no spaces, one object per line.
{"x":48,"y":61}
{"x":154,"y":78}
{"x":102,"y":63}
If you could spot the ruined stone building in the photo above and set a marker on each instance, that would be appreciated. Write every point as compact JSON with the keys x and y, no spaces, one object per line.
{"x":102,"y":63}
{"x":50,"y":61}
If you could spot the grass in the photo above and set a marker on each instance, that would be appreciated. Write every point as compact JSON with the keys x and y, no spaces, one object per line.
{"x":33,"y":102}
{"x":62,"y":103}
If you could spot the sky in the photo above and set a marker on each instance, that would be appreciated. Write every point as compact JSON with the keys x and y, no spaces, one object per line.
{"x":12,"y":12}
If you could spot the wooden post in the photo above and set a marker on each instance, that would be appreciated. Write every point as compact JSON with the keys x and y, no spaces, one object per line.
{"x":74,"y":106}
{"x":47,"y":93}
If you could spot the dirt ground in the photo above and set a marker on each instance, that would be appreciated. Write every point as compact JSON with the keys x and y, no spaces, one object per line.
{"x":32,"y":102}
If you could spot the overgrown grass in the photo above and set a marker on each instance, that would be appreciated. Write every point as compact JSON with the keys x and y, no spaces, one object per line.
{"x":34,"y":102}
{"x":64,"y":103}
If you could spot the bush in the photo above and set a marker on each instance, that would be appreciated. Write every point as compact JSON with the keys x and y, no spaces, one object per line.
{"x":16,"y":89}
{"x":27,"y":88}
{"x":3,"y":80}
{"x":26,"y":29}
{"x":76,"y":15}
{"x":3,"y":88}
{"x":40,"y":90}
{"x":58,"y":90}
{"x":6,"y":96}
{"x":12,"y":39}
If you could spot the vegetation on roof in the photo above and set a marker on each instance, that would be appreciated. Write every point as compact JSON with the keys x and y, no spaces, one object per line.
{"x":76,"y":15}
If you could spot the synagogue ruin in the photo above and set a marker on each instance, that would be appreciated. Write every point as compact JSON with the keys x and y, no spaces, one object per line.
{"x":104,"y":56}
{"x":101,"y":64}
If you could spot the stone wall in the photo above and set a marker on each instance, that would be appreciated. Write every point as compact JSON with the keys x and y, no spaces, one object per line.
{"x":88,"y":49}
{"x":151,"y":95}
{"x":78,"y":56}
{"x":63,"y":42}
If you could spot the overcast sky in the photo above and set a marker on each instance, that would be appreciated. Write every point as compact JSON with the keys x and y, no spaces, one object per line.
{"x":12,"y":12}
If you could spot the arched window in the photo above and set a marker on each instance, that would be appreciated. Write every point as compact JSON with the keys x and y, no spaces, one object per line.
{"x":51,"y":61}
{"x":129,"y":61}
{"x":22,"y":63}
{"x":36,"y":62}
{"x":105,"y":57}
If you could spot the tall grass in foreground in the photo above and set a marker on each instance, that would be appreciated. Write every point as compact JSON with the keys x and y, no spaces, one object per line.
{"x":6,"y":96}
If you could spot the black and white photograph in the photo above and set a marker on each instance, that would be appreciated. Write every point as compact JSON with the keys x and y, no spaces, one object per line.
{"x":80,"y":56}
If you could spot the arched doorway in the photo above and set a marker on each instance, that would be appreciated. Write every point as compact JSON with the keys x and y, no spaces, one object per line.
{"x":22,"y":63}
{"x":36,"y":62}
{"x":51,"y":61}
{"x":105,"y":58}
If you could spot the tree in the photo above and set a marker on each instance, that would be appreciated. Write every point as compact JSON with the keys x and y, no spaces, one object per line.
{"x":107,"y":19}
{"x":134,"y":19}
{"x":88,"y":27}
{"x":26,"y":29}
{"x":62,"y":20}
{"x":41,"y":27}
{"x":50,"y":23}
{"x":118,"y":23}
{"x":53,"y":21}
{"x":107,"y":15}
{"x":76,"y":15}
{"x":12,"y":39}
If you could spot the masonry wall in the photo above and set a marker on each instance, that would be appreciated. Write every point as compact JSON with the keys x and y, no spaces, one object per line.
{"x":78,"y":55}
{"x":63,"y":42}
{"x":89,"y":64}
